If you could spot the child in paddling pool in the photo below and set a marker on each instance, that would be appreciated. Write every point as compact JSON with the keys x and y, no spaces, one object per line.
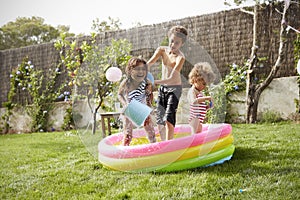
{"x":170,"y":88}
{"x":200,"y":76}
{"x":136,"y":86}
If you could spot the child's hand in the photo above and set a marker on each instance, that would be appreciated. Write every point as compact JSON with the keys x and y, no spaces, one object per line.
{"x":211,"y":104}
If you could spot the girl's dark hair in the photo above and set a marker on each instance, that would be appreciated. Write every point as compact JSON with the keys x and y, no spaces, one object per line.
{"x":132,"y":63}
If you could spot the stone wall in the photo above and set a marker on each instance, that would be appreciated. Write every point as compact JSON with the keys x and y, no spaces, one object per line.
{"x":278,"y":97}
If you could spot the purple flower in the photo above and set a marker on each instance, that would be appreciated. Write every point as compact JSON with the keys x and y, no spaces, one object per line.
{"x":18,"y":72}
{"x":236,"y":87}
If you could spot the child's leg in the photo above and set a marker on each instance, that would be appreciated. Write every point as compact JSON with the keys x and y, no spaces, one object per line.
{"x":162,"y":132}
{"x":127,"y":132}
{"x":173,"y":95}
{"x":196,"y":126}
{"x":162,"y":102}
{"x":170,"y":131}
{"x":149,"y":128}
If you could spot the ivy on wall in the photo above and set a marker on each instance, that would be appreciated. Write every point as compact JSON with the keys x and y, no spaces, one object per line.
{"x":42,"y":92}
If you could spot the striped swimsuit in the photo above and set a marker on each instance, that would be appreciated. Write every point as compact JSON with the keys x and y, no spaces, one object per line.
{"x":198,"y":110}
{"x":138,"y":94}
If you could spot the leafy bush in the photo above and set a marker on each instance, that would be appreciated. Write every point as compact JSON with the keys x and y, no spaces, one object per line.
{"x":39,"y":92}
{"x":270,"y":117}
{"x":236,"y":79}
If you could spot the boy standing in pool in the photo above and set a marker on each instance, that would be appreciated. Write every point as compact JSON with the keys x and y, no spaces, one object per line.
{"x":200,"y":76}
{"x":170,"y":88}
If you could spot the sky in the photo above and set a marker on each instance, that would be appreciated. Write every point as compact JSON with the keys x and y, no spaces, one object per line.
{"x":79,"y":14}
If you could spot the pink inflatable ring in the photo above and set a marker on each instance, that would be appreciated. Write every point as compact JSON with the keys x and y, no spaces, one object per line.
{"x":213,"y":145}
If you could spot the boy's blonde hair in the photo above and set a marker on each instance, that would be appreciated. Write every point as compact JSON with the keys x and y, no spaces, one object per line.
{"x":202,"y":71}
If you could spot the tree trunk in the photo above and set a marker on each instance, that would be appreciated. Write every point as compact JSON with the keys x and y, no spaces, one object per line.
{"x":251,"y":101}
{"x":95,"y":118}
{"x":253,"y":90}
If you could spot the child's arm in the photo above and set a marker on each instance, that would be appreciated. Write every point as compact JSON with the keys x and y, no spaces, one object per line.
{"x":149,"y":94}
{"x":192,"y":97}
{"x":202,"y":99}
{"x":157,"y":54}
{"x":121,"y":92}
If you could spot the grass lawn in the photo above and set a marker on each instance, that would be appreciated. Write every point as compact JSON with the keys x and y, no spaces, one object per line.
{"x":57,"y":165}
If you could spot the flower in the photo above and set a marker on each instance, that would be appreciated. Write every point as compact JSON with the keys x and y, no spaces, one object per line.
{"x":234,"y":66}
{"x":236,"y":87}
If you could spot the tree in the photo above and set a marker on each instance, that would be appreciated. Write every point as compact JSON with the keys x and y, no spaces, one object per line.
{"x":87,"y":63}
{"x":28,"y":31}
{"x":110,"y":25}
{"x":253,"y":88}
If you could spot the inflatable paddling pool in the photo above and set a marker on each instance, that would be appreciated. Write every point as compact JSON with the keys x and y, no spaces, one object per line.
{"x":213,"y":145}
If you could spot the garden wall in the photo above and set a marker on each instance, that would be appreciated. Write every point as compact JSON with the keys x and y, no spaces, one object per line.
{"x":226,"y":37}
{"x":278,"y":97}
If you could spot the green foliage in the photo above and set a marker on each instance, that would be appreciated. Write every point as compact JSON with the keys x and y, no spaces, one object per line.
{"x":270,"y":117}
{"x":28,"y":31}
{"x":236,"y":79}
{"x":87,"y":64}
{"x":57,"y":165}
{"x":110,"y":25}
{"x":68,"y":120}
{"x":297,"y":48}
{"x":217,"y":113}
{"x":297,"y":57}
{"x":40,"y":92}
